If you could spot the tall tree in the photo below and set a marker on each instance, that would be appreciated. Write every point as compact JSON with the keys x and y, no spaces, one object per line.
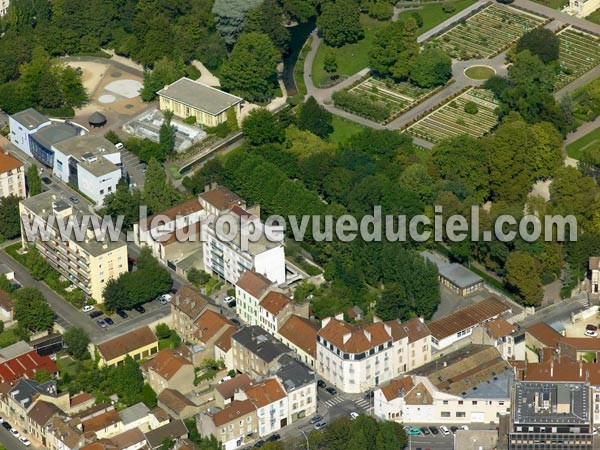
{"x":313,"y":117}
{"x":10,"y":222}
{"x":251,"y":70}
{"x":432,"y":67}
{"x":31,"y":310}
{"x":230,"y":17}
{"x":166,"y":137}
{"x":77,"y":340}
{"x":123,"y":203}
{"x":523,"y":275}
{"x":394,"y":49}
{"x":159,"y":194}
{"x":340,"y":23}
{"x":34,"y":183}
{"x":261,"y":127}
{"x":166,"y":71}
{"x":541,"y":42}
{"x":267,"y":18}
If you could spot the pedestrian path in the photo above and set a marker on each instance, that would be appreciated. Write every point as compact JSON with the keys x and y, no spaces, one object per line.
{"x":363,"y":404}
{"x":335,"y":401}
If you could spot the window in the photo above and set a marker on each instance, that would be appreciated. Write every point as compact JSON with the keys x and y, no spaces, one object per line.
{"x":445,"y":413}
{"x":460,"y":402}
{"x":445,"y":402}
{"x":461,"y":414}
{"x":474,"y":402}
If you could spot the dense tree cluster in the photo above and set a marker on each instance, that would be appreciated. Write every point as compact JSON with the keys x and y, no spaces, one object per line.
{"x":340,"y":23}
{"x":31,"y":310}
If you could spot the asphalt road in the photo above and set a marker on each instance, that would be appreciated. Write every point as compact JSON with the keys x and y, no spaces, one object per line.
{"x":10,"y":442}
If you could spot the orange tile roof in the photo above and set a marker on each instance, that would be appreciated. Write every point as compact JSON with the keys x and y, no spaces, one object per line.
{"x":228,"y":388}
{"x":8,"y":162}
{"x":233,"y":411}
{"x":166,"y":363}
{"x":224,"y":342}
{"x":185,"y":209}
{"x":467,"y":317}
{"x":265,"y":393}
{"x":499,"y":327}
{"x":413,"y":329}
{"x":222,"y":198}
{"x":254,"y":283}
{"x":209,"y":324}
{"x":274,"y":302}
{"x":545,"y":334}
{"x":397,"y":388}
{"x":302,"y":333}
{"x":562,"y":369}
{"x":80,"y":398}
{"x":358,"y":339}
{"x":126,"y":343}
{"x":190,"y":302}
{"x":101,"y":421}
{"x":174,"y":400}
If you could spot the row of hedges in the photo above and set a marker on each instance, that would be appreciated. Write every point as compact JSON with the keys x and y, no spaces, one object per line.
{"x":360,"y":105}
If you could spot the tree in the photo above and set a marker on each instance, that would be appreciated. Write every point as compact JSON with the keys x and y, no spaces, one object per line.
{"x":35,"y":262}
{"x":162,"y":331}
{"x":166,"y":137}
{"x":394,"y":49}
{"x":251,"y":70}
{"x":381,"y":10}
{"x":432,"y":67}
{"x":232,"y":121}
{"x":230,"y":17}
{"x":31,"y":310}
{"x":541,"y":42}
{"x":523,"y":275}
{"x":77,"y":341}
{"x":167,"y":443}
{"x":471,"y":108}
{"x":127,"y":381}
{"x":267,"y":18}
{"x":330,"y":62}
{"x":10,"y":222}
{"x":261,"y":127}
{"x":196,"y":276}
{"x":315,"y":118}
{"x":123,"y":203}
{"x":340,"y":23}
{"x":166,"y":71}
{"x":149,"y":396}
{"x":34,"y":183}
{"x":5,"y":285}
{"x":159,"y":194}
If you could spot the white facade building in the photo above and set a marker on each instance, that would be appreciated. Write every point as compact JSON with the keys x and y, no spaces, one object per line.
{"x":250,"y":289}
{"x":25,"y":123}
{"x":271,"y":402}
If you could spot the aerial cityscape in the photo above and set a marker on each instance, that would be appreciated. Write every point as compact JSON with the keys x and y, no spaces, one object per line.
{"x":300,"y":224}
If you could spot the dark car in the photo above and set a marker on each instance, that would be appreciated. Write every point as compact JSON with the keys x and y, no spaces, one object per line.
{"x":273,"y":438}
{"x":425,"y":430}
{"x":321,"y":384}
{"x":46,"y":180}
{"x":140,"y":309}
{"x":122,"y":314}
{"x":316,"y":419}
{"x":101,"y":323}
{"x":74,"y":199}
{"x":331,"y":390}
{"x":95,"y":314}
{"x":235,"y":322}
{"x":259,"y":444}
{"x":453,"y":429}
{"x":434,"y":430}
{"x":109,"y":321}
{"x":6,"y":425}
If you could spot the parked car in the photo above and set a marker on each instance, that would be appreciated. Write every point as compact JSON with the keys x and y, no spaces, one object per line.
{"x":321,"y":384}
{"x":122,"y":314}
{"x":591,"y":330}
{"x":353,"y":415}
{"x":140,"y":309}
{"x":101,"y":323}
{"x":259,"y":444}
{"x":316,"y":419}
{"x":413,"y":431}
{"x":235,"y":322}
{"x":6,"y":425}
{"x":15,"y":433}
{"x":331,"y":390}
{"x":119,"y":146}
{"x":454,"y":429}
{"x":165,"y":298}
{"x":46,"y":180}
{"x":273,"y":438}
{"x":464,"y":427}
{"x":228,"y":300}
{"x":444,"y":429}
{"x":434,"y":430}
{"x":87,"y":308}
{"x":25,"y":441}
{"x":224,"y":379}
{"x":74,"y":199}
{"x":320,"y":425}
{"x":109,"y":321}
{"x":96,"y":314}
{"x":425,"y":430}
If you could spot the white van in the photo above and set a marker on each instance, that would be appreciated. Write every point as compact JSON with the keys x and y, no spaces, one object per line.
{"x":119,"y":146}
{"x":444,"y":429}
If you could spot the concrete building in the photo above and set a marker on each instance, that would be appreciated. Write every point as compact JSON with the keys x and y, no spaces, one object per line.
{"x":471,"y":385}
{"x":501,"y":334}
{"x":460,"y":324}
{"x":583,"y":8}
{"x":233,"y":426}
{"x":187,"y":306}
{"x":170,"y":369}
{"x":223,"y":350}
{"x":63,"y":433}
{"x":300,"y":334}
{"x":24,"y":124}
{"x":271,"y":403}
{"x":550,"y":415}
{"x":250,"y":289}
{"x":189,"y":98}
{"x":225,"y":391}
{"x":210,"y":327}
{"x":139,"y":344}
{"x":87,"y":261}
{"x":594,"y":268}
{"x":177,"y":404}
{"x":12,"y":176}
{"x":455,"y":276}
{"x":90,"y":163}
{"x":255,"y":352}
{"x":300,"y":385}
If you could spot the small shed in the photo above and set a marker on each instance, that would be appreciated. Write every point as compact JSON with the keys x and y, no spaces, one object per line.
{"x":97,"y":120}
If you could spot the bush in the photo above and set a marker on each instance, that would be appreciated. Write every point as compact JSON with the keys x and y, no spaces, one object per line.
{"x":197,"y":276}
{"x":190,"y":120}
{"x":471,"y":108}
{"x":221,"y":130}
{"x":449,"y":9}
{"x":453,"y":104}
{"x":357,"y":104}
{"x":162,"y":331}
{"x":192,"y":72}
{"x":112,"y":137}
{"x":381,"y":10}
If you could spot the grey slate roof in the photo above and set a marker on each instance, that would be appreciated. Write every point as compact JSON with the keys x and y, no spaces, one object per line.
{"x":133,"y":413}
{"x":293,"y":374}
{"x":30,"y":118}
{"x":172,"y":430}
{"x":260,"y":342}
{"x":199,"y":96}
{"x":24,"y":391}
{"x":457,"y":274}
{"x":55,"y":133}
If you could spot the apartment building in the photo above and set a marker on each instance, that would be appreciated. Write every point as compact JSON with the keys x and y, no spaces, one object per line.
{"x":233,"y":425}
{"x":255,"y":352}
{"x":64,"y":433}
{"x":91,"y":163}
{"x":271,"y":404}
{"x":139,"y":344}
{"x":356,"y":358}
{"x":249,"y":291}
{"x":300,"y":335}
{"x":12,"y":176}
{"x":170,"y":369}
{"x":89,"y":263}
{"x":210,"y":327}
{"x":186,"y":308}
{"x":300,"y":385}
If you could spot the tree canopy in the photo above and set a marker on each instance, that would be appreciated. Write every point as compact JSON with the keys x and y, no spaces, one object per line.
{"x":394,"y":49}
{"x":340,"y":23}
{"x":31,"y":310}
{"x":541,"y":42}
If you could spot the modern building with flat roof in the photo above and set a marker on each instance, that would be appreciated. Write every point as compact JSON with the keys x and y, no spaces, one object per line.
{"x":88,"y":263}
{"x":187,"y":98}
{"x":455,"y":276}
{"x":550,"y":416}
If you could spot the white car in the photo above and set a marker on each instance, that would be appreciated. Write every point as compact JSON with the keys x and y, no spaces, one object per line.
{"x":87,"y":308}
{"x":15,"y":433}
{"x":25,"y":441}
{"x":353,"y":415}
{"x":464,"y":427}
{"x":165,"y":298}
{"x":444,"y":429}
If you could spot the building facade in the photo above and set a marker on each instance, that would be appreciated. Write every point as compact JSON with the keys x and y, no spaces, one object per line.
{"x":12,"y":176}
{"x":139,"y":344}
{"x":583,"y":8}
{"x":88,"y":263}
{"x":231,"y":425}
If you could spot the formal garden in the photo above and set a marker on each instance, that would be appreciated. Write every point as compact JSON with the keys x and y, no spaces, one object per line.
{"x":487,"y":32}
{"x":470,"y":113}
{"x":579,"y":53}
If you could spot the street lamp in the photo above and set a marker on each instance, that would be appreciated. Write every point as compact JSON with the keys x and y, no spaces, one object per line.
{"x":305,"y":437}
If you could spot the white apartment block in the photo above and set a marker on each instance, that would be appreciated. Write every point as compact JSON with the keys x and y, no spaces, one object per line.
{"x":250,"y":289}
{"x":300,"y":384}
{"x":4,"y":7}
{"x":358,"y":358}
{"x":25,"y":123}
{"x":271,"y":402}
{"x":12,"y":176}
{"x":88,"y":263}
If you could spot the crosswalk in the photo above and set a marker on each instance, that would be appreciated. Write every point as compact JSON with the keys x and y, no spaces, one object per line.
{"x":361,"y":404}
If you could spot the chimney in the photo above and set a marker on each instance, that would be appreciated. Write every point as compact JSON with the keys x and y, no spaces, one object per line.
{"x":166,"y":87}
{"x":325,"y":321}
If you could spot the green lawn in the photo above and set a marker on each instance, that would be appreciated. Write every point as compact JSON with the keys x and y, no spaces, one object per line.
{"x":554,"y":4}
{"x":594,"y":17}
{"x":589,"y":141}
{"x":479,"y":72}
{"x":422,"y":154}
{"x":433,"y":15}
{"x":8,"y":337}
{"x":343,"y":129}
{"x":350,"y":58}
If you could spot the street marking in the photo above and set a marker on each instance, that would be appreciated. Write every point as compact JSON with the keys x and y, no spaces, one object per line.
{"x":363,"y":404}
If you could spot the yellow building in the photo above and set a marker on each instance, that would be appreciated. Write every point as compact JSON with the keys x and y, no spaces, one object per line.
{"x":84,"y":260}
{"x":187,"y":98}
{"x":139,"y":344}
